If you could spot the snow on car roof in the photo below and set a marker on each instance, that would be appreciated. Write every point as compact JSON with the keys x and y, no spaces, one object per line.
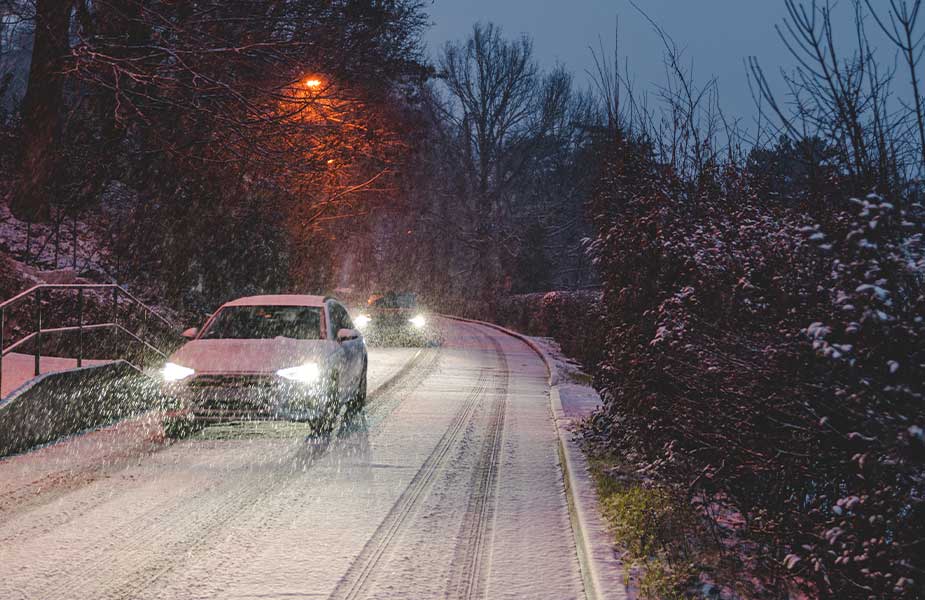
{"x":278,"y":300}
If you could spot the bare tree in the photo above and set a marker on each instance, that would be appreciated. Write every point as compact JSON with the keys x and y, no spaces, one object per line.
{"x":844,"y":98}
{"x":619,"y":104}
{"x":493,"y":83}
{"x":42,"y":109}
{"x":503,"y":111}
{"x":901,"y":29}
{"x":686,"y":127}
{"x":16,"y":31}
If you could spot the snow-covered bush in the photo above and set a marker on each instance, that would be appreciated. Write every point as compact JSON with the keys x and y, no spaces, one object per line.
{"x":572,"y":318}
{"x":768,"y":358}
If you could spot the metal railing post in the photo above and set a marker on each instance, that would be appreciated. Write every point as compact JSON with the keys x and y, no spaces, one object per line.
{"x":36,"y":295}
{"x":74,"y":242}
{"x":38,"y":331}
{"x":115,"y":303}
{"x":2,"y":328}
{"x":80,"y":327}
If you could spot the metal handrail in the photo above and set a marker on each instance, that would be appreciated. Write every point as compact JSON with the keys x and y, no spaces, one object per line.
{"x":86,"y":286}
{"x":95,"y":327}
{"x":35,"y":293}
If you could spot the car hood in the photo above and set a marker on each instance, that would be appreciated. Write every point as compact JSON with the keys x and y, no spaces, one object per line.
{"x":251,"y":356}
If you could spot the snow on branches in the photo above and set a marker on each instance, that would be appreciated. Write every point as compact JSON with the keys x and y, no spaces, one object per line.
{"x":769,"y":357}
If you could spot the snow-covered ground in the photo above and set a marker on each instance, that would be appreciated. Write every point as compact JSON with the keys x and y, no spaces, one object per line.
{"x":20,"y":368}
{"x":15,"y":240}
{"x":573,"y":401}
{"x":448,"y":487}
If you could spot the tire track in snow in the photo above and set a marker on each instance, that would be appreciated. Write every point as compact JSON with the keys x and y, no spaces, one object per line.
{"x":473,"y":551}
{"x":363,"y":569}
{"x":72,"y":482}
{"x":196,"y":517}
{"x":383,"y":400}
{"x":95,"y":498}
{"x":173,"y":555}
{"x":15,"y":501}
{"x":408,"y":376}
{"x":162,"y":537}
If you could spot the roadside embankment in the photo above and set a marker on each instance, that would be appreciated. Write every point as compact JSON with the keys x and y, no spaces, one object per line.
{"x":56,"y":405}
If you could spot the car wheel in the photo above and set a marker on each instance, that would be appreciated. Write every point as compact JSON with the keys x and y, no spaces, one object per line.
{"x":332,"y":405}
{"x":179,"y":425}
{"x":358,"y":399}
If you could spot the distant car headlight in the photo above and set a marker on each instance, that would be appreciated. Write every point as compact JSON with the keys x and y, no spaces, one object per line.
{"x":361,"y":321}
{"x":307,"y":373}
{"x":175,"y":372}
{"x":418,"y":321}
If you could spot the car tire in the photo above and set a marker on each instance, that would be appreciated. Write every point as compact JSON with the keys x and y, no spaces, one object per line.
{"x":179,"y":426}
{"x":358,"y":400}
{"x":324,"y":424}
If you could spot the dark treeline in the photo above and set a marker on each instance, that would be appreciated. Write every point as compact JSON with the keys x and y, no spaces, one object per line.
{"x":494,"y":197}
{"x":207,"y":148}
{"x":210,"y":149}
{"x":760,"y":338}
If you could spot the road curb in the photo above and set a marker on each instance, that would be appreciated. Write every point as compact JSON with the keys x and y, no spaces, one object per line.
{"x":601,"y":570}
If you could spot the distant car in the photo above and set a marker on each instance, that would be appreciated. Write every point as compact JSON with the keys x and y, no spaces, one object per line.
{"x":287,"y":357}
{"x":394,"y":319}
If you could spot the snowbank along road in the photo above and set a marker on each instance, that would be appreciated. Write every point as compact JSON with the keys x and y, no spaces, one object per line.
{"x":447,"y":487}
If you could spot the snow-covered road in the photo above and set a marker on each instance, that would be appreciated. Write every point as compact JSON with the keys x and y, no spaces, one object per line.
{"x":448,"y":488}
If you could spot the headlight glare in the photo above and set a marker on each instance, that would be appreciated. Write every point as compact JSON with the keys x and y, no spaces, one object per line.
{"x":307,"y":373}
{"x":419,"y":321}
{"x":361,"y":321}
{"x":175,"y":372}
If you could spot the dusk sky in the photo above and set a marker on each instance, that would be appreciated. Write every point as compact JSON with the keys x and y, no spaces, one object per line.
{"x":717,"y":35}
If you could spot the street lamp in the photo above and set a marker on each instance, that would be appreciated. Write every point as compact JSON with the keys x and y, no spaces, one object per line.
{"x":313,"y":83}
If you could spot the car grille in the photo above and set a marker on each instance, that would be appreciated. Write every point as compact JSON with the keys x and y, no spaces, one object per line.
{"x":232,"y":381}
{"x":237,"y":393}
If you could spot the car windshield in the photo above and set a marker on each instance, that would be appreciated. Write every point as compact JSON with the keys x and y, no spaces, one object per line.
{"x":265,"y":322}
{"x":393,"y":300}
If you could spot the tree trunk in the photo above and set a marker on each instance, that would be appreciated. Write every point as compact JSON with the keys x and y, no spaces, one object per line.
{"x":41,"y":111}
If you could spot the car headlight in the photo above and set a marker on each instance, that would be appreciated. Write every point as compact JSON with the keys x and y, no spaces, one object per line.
{"x":175,"y":372}
{"x":361,"y":321}
{"x":307,"y":373}
{"x":419,"y":321}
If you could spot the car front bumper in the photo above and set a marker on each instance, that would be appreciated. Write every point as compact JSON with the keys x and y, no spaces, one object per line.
{"x":226,"y":398}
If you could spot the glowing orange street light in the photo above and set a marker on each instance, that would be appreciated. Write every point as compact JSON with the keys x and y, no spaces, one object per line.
{"x":313,"y":83}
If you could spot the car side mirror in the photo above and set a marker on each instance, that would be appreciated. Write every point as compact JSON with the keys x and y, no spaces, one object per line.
{"x":191,"y":333}
{"x":344,"y":335}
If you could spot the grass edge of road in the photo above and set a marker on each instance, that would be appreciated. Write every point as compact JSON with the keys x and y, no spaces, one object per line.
{"x":638,"y":516}
{"x":648,"y":542}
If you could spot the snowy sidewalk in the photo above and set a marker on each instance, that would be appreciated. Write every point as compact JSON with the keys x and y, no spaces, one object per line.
{"x":572,"y":402}
{"x":20,"y":368}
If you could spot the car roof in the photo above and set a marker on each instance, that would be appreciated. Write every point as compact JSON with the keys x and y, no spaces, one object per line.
{"x":279,"y":300}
